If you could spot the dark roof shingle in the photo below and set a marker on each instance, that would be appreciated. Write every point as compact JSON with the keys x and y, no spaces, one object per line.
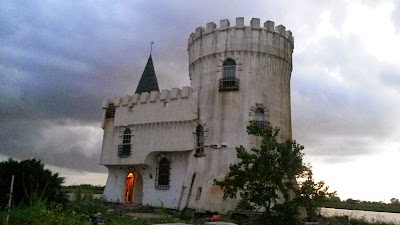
{"x":148,"y":81}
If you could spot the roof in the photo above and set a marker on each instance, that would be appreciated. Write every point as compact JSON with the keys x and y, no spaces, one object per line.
{"x":148,"y":81}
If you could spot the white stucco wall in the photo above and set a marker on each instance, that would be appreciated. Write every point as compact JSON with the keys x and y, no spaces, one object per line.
{"x":153,"y":125}
{"x":170,"y":198}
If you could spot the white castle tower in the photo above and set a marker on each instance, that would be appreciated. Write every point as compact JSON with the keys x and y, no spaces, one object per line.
{"x":166,"y":148}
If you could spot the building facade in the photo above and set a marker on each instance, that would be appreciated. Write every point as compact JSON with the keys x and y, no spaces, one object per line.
{"x":165,"y":148}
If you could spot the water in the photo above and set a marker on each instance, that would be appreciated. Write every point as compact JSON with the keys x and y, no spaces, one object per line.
{"x":359,"y":214}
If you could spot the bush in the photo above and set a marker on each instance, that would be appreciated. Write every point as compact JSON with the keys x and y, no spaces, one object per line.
{"x":31,"y":182}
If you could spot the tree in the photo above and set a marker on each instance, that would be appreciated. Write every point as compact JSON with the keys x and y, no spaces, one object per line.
{"x":394,"y":201}
{"x":31,"y":182}
{"x":312,"y":194}
{"x":264,"y":178}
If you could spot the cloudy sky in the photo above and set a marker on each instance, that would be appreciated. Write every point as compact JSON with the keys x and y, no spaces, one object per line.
{"x":59,"y":59}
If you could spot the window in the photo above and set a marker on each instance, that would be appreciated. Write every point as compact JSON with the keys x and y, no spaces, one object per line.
{"x":162,"y":173}
{"x":229,"y":82}
{"x":110,"y":111}
{"x":124,"y":150}
{"x":259,"y":118}
{"x":199,"y":140}
{"x":229,"y":67}
{"x":198,"y":194}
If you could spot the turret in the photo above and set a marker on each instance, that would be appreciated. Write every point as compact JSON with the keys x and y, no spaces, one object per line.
{"x":241,"y":72}
{"x":241,"y":75}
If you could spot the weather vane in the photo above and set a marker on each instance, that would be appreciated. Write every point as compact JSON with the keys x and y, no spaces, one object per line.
{"x":151,"y":47}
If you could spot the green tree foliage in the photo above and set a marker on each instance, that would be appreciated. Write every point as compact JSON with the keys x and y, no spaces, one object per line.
{"x":31,"y":182}
{"x":394,"y":201}
{"x":264,"y":178}
{"x":312,"y":194}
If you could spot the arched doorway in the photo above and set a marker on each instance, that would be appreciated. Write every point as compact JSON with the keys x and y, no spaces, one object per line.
{"x":129,"y":184}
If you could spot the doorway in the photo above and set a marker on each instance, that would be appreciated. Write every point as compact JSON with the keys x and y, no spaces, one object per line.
{"x":129,"y":184}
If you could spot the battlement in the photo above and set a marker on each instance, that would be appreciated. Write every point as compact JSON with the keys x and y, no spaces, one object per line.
{"x":267,"y":39}
{"x":148,"y":98}
{"x":155,"y":107}
{"x":269,"y":26}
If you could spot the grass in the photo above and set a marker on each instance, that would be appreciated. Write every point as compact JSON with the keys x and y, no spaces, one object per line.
{"x":78,"y":213}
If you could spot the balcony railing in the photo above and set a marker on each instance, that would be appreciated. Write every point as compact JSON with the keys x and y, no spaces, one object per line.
{"x":124,"y":150}
{"x":228,"y":84}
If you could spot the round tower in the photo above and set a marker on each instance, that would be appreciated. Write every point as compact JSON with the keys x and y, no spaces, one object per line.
{"x":242,"y":76}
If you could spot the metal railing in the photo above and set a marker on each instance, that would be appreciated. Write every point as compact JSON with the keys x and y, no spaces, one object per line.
{"x":260,"y":123}
{"x":228,"y":84}
{"x":124,"y":150}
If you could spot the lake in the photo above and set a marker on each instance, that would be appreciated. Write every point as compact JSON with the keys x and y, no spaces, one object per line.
{"x":368,"y":215}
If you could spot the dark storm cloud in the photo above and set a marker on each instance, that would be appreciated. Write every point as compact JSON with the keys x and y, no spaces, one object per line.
{"x":59,"y":59}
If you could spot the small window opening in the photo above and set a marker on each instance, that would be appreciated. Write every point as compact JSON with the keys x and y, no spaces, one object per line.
{"x":166,"y":104}
{"x":124,"y":150}
{"x":199,"y":140}
{"x":229,"y":82}
{"x":229,"y":68}
{"x":198,"y":194}
{"x":163,"y":174}
{"x":259,"y":118}
{"x":110,"y":111}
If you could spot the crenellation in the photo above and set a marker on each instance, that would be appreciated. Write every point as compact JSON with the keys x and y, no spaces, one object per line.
{"x":186,"y":91}
{"x":270,"y":25}
{"x":104,"y":103}
{"x":126,"y":99}
{"x":280,"y":29}
{"x":135,"y":99}
{"x":240,"y":22}
{"x":144,"y":97}
{"x":191,"y":37}
{"x":199,"y":31}
{"x":224,"y":24}
{"x":288,"y":34}
{"x":175,"y":93}
{"x":271,"y":39}
{"x":154,"y":96}
{"x":117,"y":101}
{"x":165,"y":95}
{"x":210,"y":27}
{"x":255,"y":23}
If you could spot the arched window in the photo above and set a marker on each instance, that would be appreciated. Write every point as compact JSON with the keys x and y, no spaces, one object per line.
{"x":163,"y":173}
{"x":229,"y":82}
{"x":199,"y":140}
{"x":229,"y":67}
{"x":124,"y":150}
{"x":110,"y":111}
{"x":259,"y":117}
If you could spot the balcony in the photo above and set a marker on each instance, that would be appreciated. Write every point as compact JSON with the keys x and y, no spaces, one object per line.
{"x":228,"y":84}
{"x":124,"y":150}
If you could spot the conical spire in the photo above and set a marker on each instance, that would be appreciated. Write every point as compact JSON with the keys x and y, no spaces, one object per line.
{"x":148,"y":81}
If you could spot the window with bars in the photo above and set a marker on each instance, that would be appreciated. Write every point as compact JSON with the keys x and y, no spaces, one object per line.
{"x":259,"y":118}
{"x":124,"y":150}
{"x":229,"y":82}
{"x":199,"y":140}
{"x":110,"y":111}
{"x":163,"y":173}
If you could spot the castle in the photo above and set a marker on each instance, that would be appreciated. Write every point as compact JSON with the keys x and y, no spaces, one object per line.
{"x":165,"y":148}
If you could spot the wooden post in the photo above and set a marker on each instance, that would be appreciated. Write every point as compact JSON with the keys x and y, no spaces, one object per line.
{"x":9,"y":200}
